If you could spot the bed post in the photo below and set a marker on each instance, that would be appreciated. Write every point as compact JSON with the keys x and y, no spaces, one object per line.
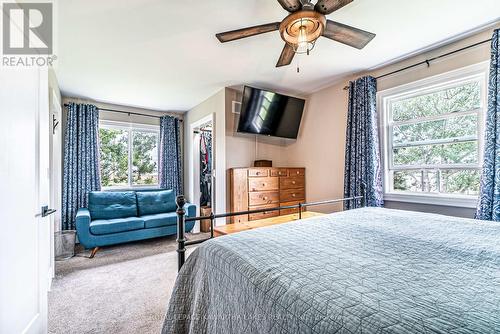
{"x":181,"y":248}
{"x":363,"y":194}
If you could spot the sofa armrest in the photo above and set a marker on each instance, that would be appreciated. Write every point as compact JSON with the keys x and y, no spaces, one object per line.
{"x":82,"y":223}
{"x":83,"y":216}
{"x":190,"y":210}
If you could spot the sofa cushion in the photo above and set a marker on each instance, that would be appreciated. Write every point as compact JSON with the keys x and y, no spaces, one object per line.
{"x":160,"y":219}
{"x":109,"y":226}
{"x":112,"y":204}
{"x":153,"y":202}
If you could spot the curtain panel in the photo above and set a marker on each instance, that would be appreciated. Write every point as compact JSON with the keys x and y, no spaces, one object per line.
{"x":170,"y":167}
{"x":362,"y":153}
{"x":489,"y":195}
{"x":81,"y":160}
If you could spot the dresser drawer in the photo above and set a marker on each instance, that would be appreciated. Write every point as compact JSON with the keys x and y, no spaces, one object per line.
{"x":263,"y":215}
{"x":290,"y":211}
{"x":292,"y":182}
{"x":279,"y":172}
{"x":258,"y":172}
{"x":291,"y":195}
{"x":296,"y":172}
{"x":263,"y":198}
{"x":263,"y":183}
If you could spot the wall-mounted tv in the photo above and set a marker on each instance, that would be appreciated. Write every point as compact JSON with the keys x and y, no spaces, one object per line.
{"x":269,"y":113}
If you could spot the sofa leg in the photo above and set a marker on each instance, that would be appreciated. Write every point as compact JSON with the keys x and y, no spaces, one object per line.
{"x":93,"y":252}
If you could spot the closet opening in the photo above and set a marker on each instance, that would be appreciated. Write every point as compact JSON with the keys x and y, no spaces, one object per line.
{"x":203,"y":170}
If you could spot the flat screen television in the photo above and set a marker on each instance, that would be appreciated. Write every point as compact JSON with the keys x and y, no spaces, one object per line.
{"x":269,"y":113}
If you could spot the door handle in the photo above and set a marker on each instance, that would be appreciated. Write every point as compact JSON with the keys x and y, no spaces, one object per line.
{"x":46,"y":211}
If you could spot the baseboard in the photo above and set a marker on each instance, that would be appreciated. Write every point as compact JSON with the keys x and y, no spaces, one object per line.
{"x":50,"y":277}
{"x":32,"y":325}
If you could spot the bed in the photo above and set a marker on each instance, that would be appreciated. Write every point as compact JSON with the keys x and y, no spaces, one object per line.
{"x":368,"y":270}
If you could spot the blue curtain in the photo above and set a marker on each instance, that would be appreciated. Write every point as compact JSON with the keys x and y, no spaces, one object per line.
{"x":489,"y":196}
{"x":170,"y":168}
{"x":81,"y":160}
{"x":362,"y":153}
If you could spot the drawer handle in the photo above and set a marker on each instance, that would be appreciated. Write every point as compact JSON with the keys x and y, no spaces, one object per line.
{"x":293,"y":182}
{"x":263,"y":184}
{"x":293,"y":195}
{"x":264,"y":198}
{"x":298,"y":172}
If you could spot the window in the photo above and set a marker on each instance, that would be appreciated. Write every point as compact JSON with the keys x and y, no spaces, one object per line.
{"x":433,"y":133}
{"x":129,"y":155}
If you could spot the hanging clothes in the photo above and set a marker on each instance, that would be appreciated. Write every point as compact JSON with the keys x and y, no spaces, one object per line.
{"x":206,"y":168}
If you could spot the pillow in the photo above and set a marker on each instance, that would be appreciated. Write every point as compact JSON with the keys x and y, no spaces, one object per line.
{"x":152,"y":202}
{"x":112,"y":204}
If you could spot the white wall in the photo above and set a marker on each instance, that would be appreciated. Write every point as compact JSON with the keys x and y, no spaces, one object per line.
{"x":320,"y":146}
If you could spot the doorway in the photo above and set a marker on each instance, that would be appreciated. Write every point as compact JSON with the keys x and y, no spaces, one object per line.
{"x":205,"y":135}
{"x":202,"y":192}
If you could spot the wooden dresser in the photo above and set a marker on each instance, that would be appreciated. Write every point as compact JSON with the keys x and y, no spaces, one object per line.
{"x":265,"y":187}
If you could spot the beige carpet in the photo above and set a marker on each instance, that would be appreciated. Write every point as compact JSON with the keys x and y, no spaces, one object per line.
{"x":124,"y":289}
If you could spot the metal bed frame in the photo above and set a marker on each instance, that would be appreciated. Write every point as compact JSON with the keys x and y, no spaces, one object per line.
{"x":181,"y":219}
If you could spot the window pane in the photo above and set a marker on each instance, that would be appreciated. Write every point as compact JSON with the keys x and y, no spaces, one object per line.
{"x":440,"y":154}
{"x":144,"y":158}
{"x":460,"y":126}
{"x":462,"y":98}
{"x":465,"y":182}
{"x":416,"y":181}
{"x":114,"y":157}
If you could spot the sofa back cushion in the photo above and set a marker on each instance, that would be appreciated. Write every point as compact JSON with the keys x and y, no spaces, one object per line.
{"x":112,"y":204}
{"x":152,"y":202}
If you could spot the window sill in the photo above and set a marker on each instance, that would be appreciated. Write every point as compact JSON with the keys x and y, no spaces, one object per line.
{"x":446,"y":200}
{"x":131,"y":188}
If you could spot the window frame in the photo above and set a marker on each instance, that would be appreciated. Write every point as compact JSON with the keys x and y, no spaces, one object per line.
{"x":477,"y":72}
{"x":130,"y":127}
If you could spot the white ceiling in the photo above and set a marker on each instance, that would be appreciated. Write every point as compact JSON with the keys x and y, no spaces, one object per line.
{"x":162,"y":54}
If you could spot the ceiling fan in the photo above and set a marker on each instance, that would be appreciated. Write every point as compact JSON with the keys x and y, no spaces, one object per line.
{"x":303,"y":26}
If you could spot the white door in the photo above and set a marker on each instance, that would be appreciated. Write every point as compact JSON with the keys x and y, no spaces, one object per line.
{"x":55,"y":168}
{"x":24,"y":175}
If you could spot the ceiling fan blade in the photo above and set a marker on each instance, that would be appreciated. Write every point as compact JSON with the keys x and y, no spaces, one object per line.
{"x":329,"y":6}
{"x":286,"y":56}
{"x":348,"y":35}
{"x":290,"y":5}
{"x":229,"y":36}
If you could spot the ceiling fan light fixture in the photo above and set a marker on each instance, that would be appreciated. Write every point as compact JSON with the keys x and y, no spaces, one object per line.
{"x":304,"y":45}
{"x":301,"y":30}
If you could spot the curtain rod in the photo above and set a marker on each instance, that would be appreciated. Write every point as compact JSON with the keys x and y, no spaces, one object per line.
{"x":428,"y":61}
{"x":126,"y":112}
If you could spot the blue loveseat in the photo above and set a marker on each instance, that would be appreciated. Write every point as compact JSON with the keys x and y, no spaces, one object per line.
{"x":115,"y":217}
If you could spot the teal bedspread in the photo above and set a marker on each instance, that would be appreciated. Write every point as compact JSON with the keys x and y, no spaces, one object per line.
{"x":367,"y":270}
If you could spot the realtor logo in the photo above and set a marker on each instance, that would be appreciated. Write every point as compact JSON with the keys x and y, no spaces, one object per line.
{"x":27,"y":28}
